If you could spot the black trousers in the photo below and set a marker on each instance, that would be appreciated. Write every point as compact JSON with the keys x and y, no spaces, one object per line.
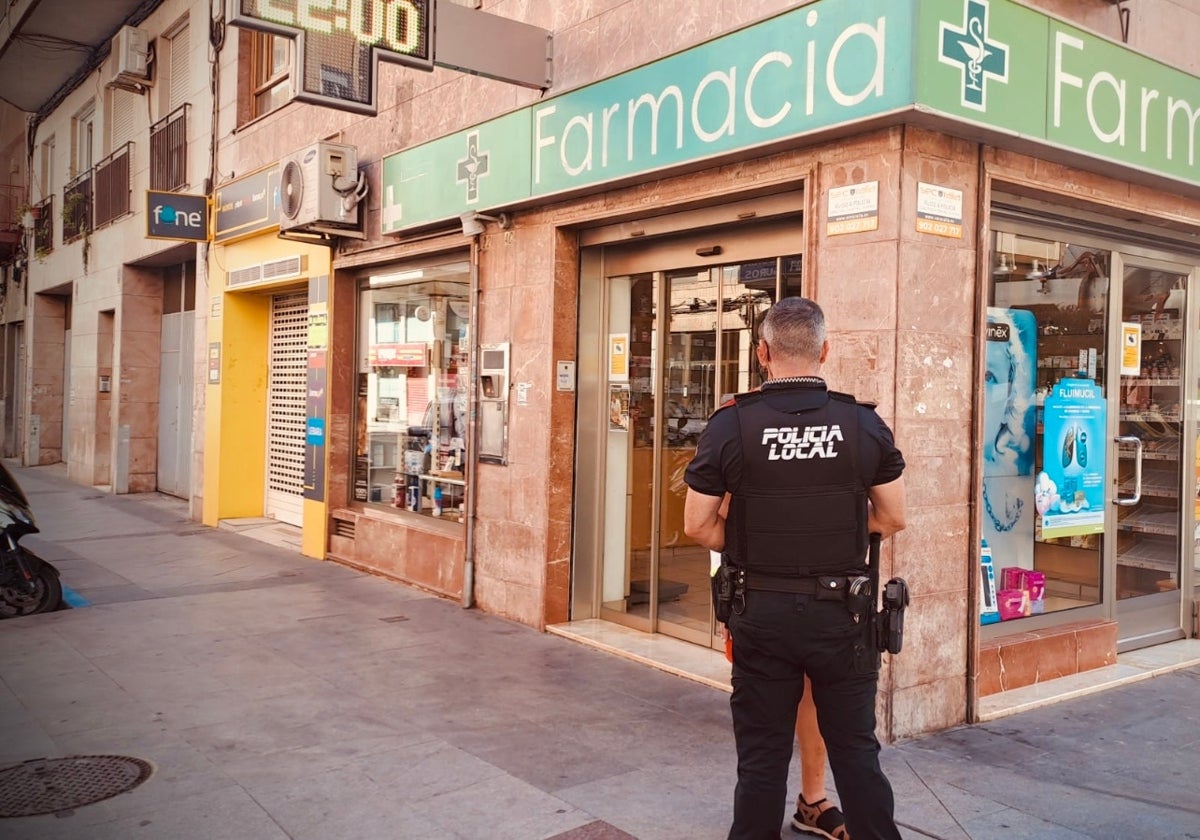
{"x":778,"y":639}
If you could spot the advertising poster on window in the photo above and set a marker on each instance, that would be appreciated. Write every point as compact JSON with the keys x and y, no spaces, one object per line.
{"x":1009,"y":424}
{"x":618,"y":357}
{"x":1131,"y":349}
{"x":618,"y":408}
{"x":1070,"y":489}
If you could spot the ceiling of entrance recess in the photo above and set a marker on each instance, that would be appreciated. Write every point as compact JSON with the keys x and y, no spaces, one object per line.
{"x":43,"y":43}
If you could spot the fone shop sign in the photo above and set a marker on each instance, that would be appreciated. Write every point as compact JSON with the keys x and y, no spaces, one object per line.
{"x":176,"y":216}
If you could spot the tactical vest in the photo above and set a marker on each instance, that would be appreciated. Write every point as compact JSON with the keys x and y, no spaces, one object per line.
{"x":801,"y":507}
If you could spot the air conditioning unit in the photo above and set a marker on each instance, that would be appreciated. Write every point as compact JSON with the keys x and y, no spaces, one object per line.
{"x":130,"y":56}
{"x":320,"y":188}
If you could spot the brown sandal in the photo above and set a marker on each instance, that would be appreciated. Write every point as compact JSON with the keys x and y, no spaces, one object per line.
{"x":828,"y":823}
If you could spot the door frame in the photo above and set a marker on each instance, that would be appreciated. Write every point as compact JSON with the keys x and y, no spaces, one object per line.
{"x":602,"y":258}
{"x":1158,"y":617}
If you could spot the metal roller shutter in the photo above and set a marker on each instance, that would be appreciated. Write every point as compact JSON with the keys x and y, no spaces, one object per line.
{"x":287,"y":388}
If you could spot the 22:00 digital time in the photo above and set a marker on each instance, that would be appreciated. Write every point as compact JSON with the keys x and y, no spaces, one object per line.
{"x":394,"y":25}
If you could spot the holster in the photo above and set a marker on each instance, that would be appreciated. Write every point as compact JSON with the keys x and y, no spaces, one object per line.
{"x":728,"y":589}
{"x":891,"y":619}
{"x":888,"y":623}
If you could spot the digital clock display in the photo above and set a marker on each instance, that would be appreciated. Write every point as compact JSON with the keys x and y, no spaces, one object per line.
{"x":398,"y":27}
{"x":338,"y":42}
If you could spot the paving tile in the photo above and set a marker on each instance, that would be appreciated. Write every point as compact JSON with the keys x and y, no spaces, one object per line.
{"x":420,"y":771}
{"x":645,"y":806}
{"x":225,"y":814}
{"x":1010,"y":823}
{"x":330,"y":806}
{"x":598,"y":830}
{"x":502,"y":808}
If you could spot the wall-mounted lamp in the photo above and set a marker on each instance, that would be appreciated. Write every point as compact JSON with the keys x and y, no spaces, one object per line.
{"x":472,"y":222}
{"x":1002,"y":266}
{"x":1036,"y":272}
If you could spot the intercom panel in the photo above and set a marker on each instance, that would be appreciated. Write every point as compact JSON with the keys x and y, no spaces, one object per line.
{"x":493,"y":402}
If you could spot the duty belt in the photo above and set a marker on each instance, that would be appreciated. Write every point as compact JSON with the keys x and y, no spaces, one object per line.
{"x":829,"y":586}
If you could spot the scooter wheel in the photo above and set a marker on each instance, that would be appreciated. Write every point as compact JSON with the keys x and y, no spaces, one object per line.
{"x":46,"y":596}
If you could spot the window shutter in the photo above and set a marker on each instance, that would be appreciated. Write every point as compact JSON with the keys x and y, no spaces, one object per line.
{"x":124,"y":110}
{"x":179,"y":69}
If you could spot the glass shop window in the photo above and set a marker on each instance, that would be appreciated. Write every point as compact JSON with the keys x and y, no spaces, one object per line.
{"x":1042,"y":497}
{"x":411,"y":413}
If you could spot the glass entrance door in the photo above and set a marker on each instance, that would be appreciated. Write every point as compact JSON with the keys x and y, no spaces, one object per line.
{"x":680,"y":342}
{"x":1150,"y":477}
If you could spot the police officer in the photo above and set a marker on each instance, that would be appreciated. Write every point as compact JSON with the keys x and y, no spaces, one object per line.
{"x":810,"y":472}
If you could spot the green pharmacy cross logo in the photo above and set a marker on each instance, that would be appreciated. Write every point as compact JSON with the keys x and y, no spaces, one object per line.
{"x":473,"y":167}
{"x":978,"y":57}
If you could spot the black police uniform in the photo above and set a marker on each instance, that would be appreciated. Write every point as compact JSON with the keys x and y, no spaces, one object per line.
{"x":798,"y":460}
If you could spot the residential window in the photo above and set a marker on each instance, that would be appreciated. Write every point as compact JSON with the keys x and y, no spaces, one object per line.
{"x":83,"y":140}
{"x":46,"y":169}
{"x":179,"y":84}
{"x":124,"y":108}
{"x":270,"y":72}
{"x":411,"y":415}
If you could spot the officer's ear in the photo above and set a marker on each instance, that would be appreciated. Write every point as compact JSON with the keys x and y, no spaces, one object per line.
{"x":824,"y":351}
{"x":763,"y":352}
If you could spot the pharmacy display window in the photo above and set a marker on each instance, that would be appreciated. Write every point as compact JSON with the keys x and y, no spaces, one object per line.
{"x":1084,"y":446}
{"x":411,"y":442}
{"x":1045,"y":325}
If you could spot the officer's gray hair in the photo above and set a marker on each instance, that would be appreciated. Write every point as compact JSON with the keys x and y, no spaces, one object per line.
{"x":795,"y":328}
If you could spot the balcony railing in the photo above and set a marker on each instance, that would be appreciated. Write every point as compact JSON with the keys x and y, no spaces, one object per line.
{"x":112,"y":186}
{"x":43,"y":227}
{"x":77,"y":207}
{"x":168,"y":151}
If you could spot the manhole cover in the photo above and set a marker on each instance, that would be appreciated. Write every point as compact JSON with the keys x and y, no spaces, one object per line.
{"x":49,"y":785}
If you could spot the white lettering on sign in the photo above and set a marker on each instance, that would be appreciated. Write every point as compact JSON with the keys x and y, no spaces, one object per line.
{"x":796,"y":443}
{"x":178,"y":218}
{"x":708,"y":112}
{"x":1105,"y":87}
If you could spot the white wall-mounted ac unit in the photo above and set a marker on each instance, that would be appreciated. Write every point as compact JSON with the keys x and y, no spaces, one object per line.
{"x":130,"y":58}
{"x":320,"y":189}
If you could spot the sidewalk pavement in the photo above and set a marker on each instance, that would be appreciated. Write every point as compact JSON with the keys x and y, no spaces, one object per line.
{"x":280,"y":697}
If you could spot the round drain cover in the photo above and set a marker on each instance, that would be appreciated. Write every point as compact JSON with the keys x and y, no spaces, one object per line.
{"x":49,"y":785}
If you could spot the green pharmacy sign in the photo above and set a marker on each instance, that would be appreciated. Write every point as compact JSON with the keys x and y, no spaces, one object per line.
{"x":993,"y":65}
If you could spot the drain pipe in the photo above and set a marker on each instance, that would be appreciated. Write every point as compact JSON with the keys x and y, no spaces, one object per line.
{"x":468,"y":587}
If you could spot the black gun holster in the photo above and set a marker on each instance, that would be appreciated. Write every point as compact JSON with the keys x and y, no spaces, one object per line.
{"x":889,"y":621}
{"x":728,"y":589}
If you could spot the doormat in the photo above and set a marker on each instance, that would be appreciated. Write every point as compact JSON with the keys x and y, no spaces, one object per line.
{"x":668,"y":590}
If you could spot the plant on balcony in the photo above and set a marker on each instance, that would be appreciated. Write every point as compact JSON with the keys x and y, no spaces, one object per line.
{"x":73,"y":209}
{"x":26,"y":214}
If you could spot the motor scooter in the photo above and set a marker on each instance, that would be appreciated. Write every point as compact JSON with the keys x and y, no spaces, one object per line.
{"x":28,"y":584}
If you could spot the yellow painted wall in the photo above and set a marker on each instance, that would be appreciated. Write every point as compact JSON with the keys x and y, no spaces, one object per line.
{"x":314,"y":536}
{"x":236,"y":439}
{"x":236,"y":420}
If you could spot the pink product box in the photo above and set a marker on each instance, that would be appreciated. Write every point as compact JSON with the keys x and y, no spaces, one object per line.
{"x":1035,"y":584}
{"x":1013,"y":603}
{"x":1010,"y":577}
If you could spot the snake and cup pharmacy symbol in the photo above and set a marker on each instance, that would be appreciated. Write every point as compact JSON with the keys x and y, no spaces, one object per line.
{"x":978,"y":57}
{"x":473,"y":167}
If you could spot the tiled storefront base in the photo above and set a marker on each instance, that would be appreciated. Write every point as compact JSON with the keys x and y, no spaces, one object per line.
{"x":1023,"y":659}
{"x":1130,"y":667}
